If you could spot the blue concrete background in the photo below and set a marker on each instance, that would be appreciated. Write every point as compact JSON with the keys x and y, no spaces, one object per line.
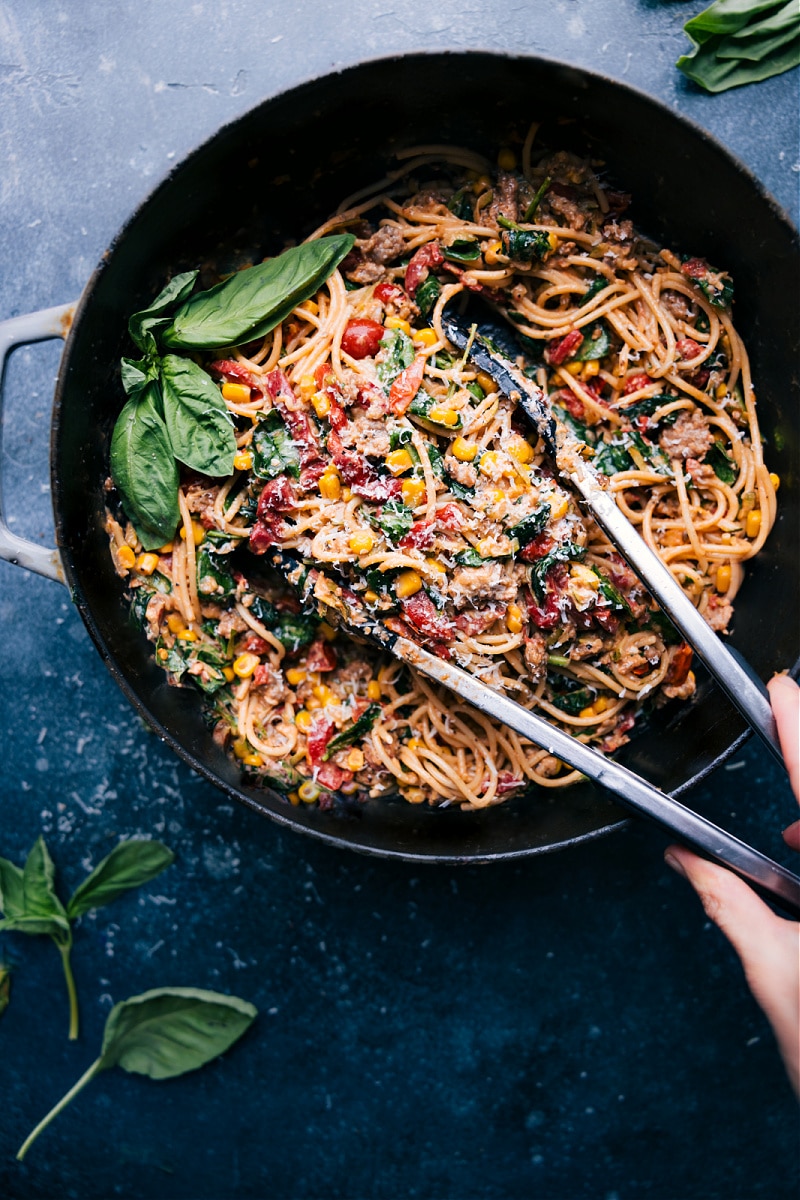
{"x":564,"y":1028}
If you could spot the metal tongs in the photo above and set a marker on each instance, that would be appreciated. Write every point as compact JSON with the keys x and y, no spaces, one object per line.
{"x":735,"y":676}
{"x":341,"y":606}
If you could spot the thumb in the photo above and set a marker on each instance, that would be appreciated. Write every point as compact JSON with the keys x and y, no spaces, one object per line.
{"x":766,"y":944}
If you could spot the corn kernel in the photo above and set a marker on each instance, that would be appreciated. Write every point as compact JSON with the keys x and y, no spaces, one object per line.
{"x":399,"y":461}
{"x":237,"y":393}
{"x":370,"y":596}
{"x":585,"y":576}
{"x":590,"y":368}
{"x":252,"y":760}
{"x":198,"y":532}
{"x":330,"y":487}
{"x":574,"y":368}
{"x":490,"y":254}
{"x":187,"y":635}
{"x":413,"y":743}
{"x":126,"y":557}
{"x":425,"y":337}
{"x":398,"y":323}
{"x":303,"y":720}
{"x":323,"y":693}
{"x":294,"y":798}
{"x":373,"y":690}
{"x":321,"y":403}
{"x":306,"y":387}
{"x":463,"y":450}
{"x":413,"y":491}
{"x":414,"y":795}
{"x":482,"y":184}
{"x":514,"y":618}
{"x":587,"y":712}
{"x":175,"y":623}
{"x":435,"y":565}
{"x":361,"y":543}
{"x":775,"y":480}
{"x":723,"y":578}
{"x":520,"y":449}
{"x":497,"y":495}
{"x":243,"y":461}
{"x":553,"y":240}
{"x":721,"y":391}
{"x":485,"y":382}
{"x":312,"y":307}
{"x":229,"y":674}
{"x":507,"y":159}
{"x":558,"y":507}
{"x":489,"y":463}
{"x":408,"y":583}
{"x":312,"y":703}
{"x":295,"y":675}
{"x":601,"y":704}
{"x":245,"y":665}
{"x":147,"y":563}
{"x":308,"y":792}
{"x":166,"y":548}
{"x":355,"y":759}
{"x":162,"y":653}
{"x":240,"y":748}
{"x":444,"y":416}
{"x":347,"y":494}
{"x":327,"y":632}
{"x":753,"y":523}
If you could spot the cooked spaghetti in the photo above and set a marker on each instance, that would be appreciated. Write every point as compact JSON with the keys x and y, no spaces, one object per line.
{"x":368,"y":446}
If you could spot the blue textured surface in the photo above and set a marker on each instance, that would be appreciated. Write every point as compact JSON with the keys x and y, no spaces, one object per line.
{"x":565,"y":1028}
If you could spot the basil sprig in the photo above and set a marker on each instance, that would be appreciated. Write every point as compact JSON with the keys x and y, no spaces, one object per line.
{"x":741,"y":41}
{"x":252,"y":302}
{"x":162,"y":1033}
{"x":30,"y":903}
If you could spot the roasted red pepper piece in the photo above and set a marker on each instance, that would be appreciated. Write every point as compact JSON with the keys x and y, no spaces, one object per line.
{"x":420,"y":612}
{"x":417,"y":271}
{"x":320,"y":733}
{"x":419,"y":537}
{"x":537,"y":547}
{"x":680,"y":665}
{"x":558,"y":352}
{"x":296,"y":422}
{"x":235,"y":372}
{"x":406,"y":385}
{"x":321,"y":656}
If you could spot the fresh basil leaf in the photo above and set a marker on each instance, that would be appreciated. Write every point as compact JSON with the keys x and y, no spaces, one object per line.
{"x":612,"y":457}
{"x":354,"y":732}
{"x":735,"y":44}
{"x":55,"y":926}
{"x":423,"y":405}
{"x":436,"y":459}
{"x":136,"y":375}
{"x":144,"y":470}
{"x":142,"y":324}
{"x":214,"y":579}
{"x":38,"y":881}
{"x":169,"y":1031}
{"x":610,"y":592}
{"x":252,"y":302}
{"x":129,"y":865}
{"x":595,"y":288}
{"x":398,"y":353}
{"x":463,"y":250}
{"x":426,"y":295}
{"x":461,"y":206}
{"x":274,"y":449}
{"x":175,"y":663}
{"x":12,"y":889}
{"x":723,"y":465}
{"x":669,"y":634}
{"x":395,"y":520}
{"x":597,"y":346}
{"x":198,"y":423}
{"x":264,"y":611}
{"x":281,"y":775}
{"x":531,"y":526}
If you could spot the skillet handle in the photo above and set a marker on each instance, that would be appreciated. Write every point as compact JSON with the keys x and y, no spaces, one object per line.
{"x":17,"y":331}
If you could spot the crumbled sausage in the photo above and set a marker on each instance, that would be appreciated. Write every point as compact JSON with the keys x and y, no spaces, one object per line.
{"x":535,"y":655}
{"x":470,"y":585}
{"x":718,"y":614}
{"x":463,"y":472}
{"x":505,"y":200}
{"x":689,"y":437}
{"x":366,"y":436}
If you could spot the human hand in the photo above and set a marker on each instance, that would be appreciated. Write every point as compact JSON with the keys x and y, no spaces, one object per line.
{"x":767,"y":944}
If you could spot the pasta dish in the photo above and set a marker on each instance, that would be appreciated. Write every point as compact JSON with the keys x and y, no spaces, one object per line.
{"x":367,"y":446}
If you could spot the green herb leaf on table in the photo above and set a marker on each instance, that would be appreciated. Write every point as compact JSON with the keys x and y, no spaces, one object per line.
{"x":199,"y":425}
{"x":144,"y":470}
{"x":31,"y":904}
{"x":252,"y":302}
{"x":129,"y":865}
{"x":741,"y":41}
{"x":162,"y":1033}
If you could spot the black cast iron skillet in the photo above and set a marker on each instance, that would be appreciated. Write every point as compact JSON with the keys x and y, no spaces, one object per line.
{"x":277,"y":172}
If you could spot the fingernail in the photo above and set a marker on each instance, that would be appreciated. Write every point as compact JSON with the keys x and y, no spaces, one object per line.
{"x":675,"y":863}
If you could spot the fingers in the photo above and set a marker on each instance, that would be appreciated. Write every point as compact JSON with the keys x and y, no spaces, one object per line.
{"x":784,"y":696}
{"x":767,"y":945}
{"x":792,"y":836}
